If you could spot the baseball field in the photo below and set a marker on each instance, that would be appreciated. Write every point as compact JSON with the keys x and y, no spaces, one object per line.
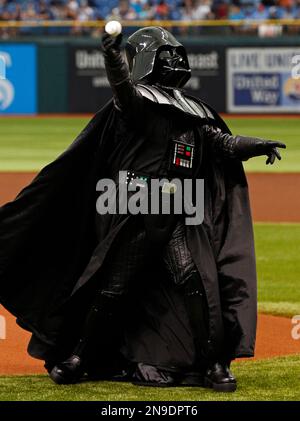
{"x":27,"y":144}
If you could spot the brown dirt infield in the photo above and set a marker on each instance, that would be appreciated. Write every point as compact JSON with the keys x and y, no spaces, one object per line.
{"x":273,"y":339}
{"x":268,"y":204}
{"x":273,"y":197}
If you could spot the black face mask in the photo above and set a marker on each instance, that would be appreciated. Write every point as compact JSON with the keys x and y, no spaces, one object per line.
{"x":171,"y":68}
{"x":143,"y":49}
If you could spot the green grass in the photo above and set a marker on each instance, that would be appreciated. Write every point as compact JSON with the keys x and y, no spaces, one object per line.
{"x":284,"y":130}
{"x":273,"y":379}
{"x":278,"y":268}
{"x":29,"y":144}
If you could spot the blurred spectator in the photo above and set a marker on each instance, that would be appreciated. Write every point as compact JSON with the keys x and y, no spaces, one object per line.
{"x":269,"y":3}
{"x":15,"y":12}
{"x":85,"y":12}
{"x":260,"y":13}
{"x":220,"y":9}
{"x":148,"y":11}
{"x":286,"y":3}
{"x":124,"y":11}
{"x":188,"y":10}
{"x":72,"y":8}
{"x":297,"y":7}
{"x":57,"y":10}
{"x":202,"y":10}
{"x":289,"y":12}
{"x":43,"y":10}
{"x":29,"y":13}
{"x":162,"y":10}
{"x":137,"y":6}
{"x":236,"y":13}
{"x":196,"y":10}
{"x":9,"y":11}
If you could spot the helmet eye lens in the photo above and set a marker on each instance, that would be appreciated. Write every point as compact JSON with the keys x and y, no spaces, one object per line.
{"x":166,"y":54}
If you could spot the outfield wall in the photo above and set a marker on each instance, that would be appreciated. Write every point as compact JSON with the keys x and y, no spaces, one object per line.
{"x":233,"y":74}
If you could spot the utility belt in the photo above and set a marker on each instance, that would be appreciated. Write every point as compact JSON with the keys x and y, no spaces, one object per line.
{"x":159,"y":226}
{"x":179,"y":165}
{"x":141,"y":180}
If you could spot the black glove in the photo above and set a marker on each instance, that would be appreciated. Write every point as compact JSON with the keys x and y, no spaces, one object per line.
{"x":118,"y":73}
{"x":241,"y":147}
{"x":248,"y":147}
{"x":111,"y":46}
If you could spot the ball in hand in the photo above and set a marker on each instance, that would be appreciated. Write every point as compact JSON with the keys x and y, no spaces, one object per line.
{"x":113,"y":28}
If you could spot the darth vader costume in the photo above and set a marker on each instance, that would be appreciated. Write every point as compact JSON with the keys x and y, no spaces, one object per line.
{"x":142,"y":298}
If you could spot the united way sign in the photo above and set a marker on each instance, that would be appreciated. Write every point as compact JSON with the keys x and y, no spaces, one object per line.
{"x":18,"y":79}
{"x":262,"y":80}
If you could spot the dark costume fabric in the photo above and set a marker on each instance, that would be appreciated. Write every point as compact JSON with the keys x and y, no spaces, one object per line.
{"x":51,"y":255}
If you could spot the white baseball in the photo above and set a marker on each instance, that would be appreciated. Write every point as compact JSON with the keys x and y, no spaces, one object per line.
{"x":113,"y":28}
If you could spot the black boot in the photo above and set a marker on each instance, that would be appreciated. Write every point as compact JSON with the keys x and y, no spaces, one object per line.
{"x":72,"y":370}
{"x":219,"y":378}
{"x":69,"y":371}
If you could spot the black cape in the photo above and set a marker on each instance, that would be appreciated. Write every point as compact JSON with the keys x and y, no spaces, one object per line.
{"x":47,"y":240}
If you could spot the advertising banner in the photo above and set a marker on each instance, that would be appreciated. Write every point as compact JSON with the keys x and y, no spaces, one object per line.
{"x":208,"y":75}
{"x":88,"y":85}
{"x":89,"y":88}
{"x":262,"y":80}
{"x":18,"y":84}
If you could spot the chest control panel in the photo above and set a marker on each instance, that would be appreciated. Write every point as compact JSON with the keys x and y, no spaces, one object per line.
{"x":183,"y":154}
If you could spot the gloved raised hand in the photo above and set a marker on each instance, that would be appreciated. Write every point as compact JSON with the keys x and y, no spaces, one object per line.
{"x":117,"y":72}
{"x":249,"y":147}
{"x":110,"y":45}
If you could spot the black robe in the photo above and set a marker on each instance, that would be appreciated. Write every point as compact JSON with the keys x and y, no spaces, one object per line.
{"x":48,"y":243}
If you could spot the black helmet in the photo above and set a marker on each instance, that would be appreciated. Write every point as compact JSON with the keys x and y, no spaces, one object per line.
{"x":147,"y":60}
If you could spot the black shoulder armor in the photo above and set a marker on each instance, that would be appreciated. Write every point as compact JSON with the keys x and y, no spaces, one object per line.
{"x":176,"y":98}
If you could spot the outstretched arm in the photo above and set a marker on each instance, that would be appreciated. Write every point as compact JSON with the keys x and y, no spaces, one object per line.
{"x":242,"y":147}
{"x":126,"y":96}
